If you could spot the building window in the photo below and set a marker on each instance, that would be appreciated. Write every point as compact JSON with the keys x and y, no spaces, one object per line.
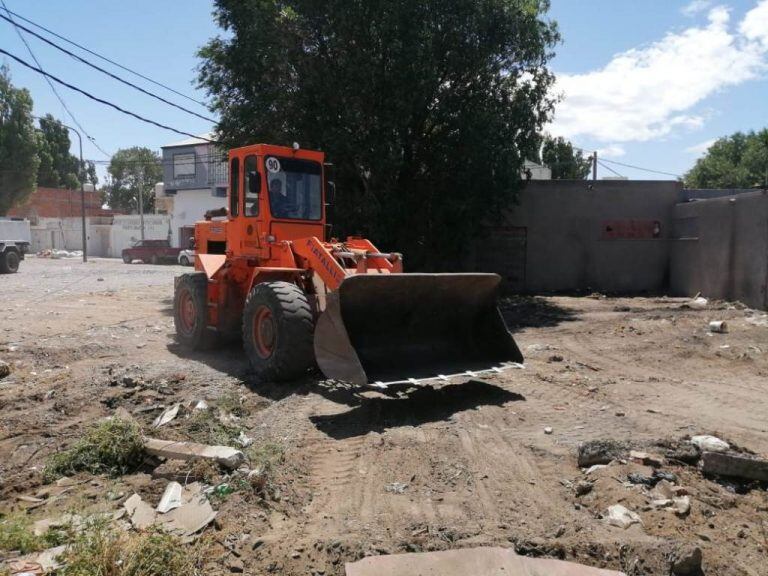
{"x":184,"y":166}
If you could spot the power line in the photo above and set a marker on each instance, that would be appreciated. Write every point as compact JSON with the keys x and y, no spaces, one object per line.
{"x":100,"y":100}
{"x":107,"y":72}
{"x":641,"y":168}
{"x":600,"y":163}
{"x":105,"y":59}
{"x":53,"y":88}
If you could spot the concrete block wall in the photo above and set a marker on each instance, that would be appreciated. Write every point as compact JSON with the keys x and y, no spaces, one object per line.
{"x":608,"y":236}
{"x":720,"y":248}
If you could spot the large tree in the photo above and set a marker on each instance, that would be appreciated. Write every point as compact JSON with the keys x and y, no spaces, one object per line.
{"x":18,"y":144}
{"x":133,"y":171}
{"x":736,"y":161}
{"x":424,"y":106}
{"x":565,"y":162}
{"x":59,"y":168}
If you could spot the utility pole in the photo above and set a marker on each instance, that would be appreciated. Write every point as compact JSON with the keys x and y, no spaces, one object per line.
{"x":594,"y":166}
{"x":82,"y":192}
{"x":141,"y":211}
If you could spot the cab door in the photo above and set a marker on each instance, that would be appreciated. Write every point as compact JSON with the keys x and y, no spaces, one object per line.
{"x":253,"y":213}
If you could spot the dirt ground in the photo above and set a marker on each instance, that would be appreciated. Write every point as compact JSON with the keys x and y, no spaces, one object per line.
{"x":458,"y":465}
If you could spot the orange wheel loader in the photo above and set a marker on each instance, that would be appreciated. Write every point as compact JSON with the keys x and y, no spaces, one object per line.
{"x":266,"y":269}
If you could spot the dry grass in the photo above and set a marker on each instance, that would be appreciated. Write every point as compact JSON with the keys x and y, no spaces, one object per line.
{"x":16,"y":534}
{"x":101,"y":550}
{"x":265,"y":456}
{"x":112,"y":447}
{"x":206,"y":427}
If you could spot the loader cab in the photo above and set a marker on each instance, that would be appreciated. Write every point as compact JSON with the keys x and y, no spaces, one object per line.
{"x":276,"y":193}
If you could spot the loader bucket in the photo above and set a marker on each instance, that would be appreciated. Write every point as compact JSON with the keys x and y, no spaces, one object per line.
{"x":395,"y":328}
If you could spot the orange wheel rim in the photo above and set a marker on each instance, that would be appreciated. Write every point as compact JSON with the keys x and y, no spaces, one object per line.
{"x":187,"y":311}
{"x":264,"y":333}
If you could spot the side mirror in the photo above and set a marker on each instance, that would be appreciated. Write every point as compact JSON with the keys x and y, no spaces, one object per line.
{"x":330,"y":193}
{"x":254,"y":183}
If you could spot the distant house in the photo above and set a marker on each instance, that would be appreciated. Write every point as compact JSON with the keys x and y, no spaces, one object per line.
{"x":194,"y":181}
{"x":533,"y":171}
{"x":60,"y":203}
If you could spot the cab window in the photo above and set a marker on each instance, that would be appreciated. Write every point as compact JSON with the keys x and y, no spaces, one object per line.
{"x":234,"y":183}
{"x":251,"y":199}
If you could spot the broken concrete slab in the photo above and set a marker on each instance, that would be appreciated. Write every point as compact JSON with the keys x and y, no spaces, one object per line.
{"x":141,"y":514}
{"x":735,"y":466}
{"x":224,"y":455}
{"x":646,"y":458}
{"x":192,"y":515}
{"x":475,"y":561}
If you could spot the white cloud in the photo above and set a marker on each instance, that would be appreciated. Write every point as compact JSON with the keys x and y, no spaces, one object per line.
{"x":611,"y":151}
{"x":648,"y":92}
{"x":754,"y":27}
{"x":695,"y":7}
{"x":701,"y":147}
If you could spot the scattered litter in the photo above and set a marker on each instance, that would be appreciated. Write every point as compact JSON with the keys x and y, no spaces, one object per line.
{"x":707,"y":443}
{"x":548,"y":430}
{"x":171,"y":498}
{"x":718,"y":326}
{"x":735,"y":465}
{"x":199,"y":405}
{"x":224,"y":455}
{"x":681,"y":506}
{"x":167,"y":415}
{"x":637,"y":478}
{"x":621,"y":517}
{"x":697,"y":302}
{"x":56,"y":254}
{"x":583,"y":487}
{"x":595,"y":468}
{"x":25,"y":568}
{"x":761,"y":320}
{"x":141,"y":514}
{"x":244,"y":440}
{"x":396,"y":487}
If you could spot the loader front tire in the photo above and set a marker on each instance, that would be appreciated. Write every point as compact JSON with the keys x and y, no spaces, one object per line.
{"x":277,"y":331}
{"x":190,"y":312}
{"x":9,"y":262}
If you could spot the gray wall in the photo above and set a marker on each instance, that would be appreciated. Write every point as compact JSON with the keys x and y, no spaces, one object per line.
{"x":721,"y":248}
{"x":584,"y":235}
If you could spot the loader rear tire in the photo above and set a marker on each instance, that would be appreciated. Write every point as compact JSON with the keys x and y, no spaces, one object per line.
{"x":190,"y":312}
{"x":278,"y":328}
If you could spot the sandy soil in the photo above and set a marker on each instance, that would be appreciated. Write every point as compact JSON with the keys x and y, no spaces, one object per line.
{"x":474,"y":463}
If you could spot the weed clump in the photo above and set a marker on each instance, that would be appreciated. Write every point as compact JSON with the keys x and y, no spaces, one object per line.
{"x":111,"y":447}
{"x":16,"y":535}
{"x":265,"y":456}
{"x":103,"y":550}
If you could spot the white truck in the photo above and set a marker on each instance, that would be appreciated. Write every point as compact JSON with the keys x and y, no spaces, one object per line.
{"x":15,"y":238}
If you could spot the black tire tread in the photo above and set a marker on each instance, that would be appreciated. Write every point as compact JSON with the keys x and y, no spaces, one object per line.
{"x":294,"y":353}
{"x":5,"y":267}
{"x":204,"y":337}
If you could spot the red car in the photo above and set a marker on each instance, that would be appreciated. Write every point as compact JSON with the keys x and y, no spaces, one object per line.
{"x":151,"y":251}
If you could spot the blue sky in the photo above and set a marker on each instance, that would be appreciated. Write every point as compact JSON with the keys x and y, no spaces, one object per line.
{"x":647,"y":83}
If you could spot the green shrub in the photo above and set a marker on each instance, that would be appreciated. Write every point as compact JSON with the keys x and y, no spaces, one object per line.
{"x":111,"y":447}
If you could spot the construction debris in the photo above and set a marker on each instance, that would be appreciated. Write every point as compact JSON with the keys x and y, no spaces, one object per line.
{"x":469,"y":561}
{"x":734,"y":465}
{"x":171,"y":498}
{"x":224,"y":455}
{"x":193,"y":513}
{"x":707,"y":443}
{"x":396,"y":487}
{"x":686,"y":561}
{"x":38,"y":563}
{"x":646,"y":458}
{"x":600,"y":452}
{"x":166,"y":416}
{"x":621,"y":517}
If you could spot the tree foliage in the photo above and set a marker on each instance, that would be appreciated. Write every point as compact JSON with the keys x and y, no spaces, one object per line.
{"x":565,"y":162}
{"x":133,"y":171}
{"x":59,"y":168}
{"x":736,"y":161}
{"x":424,"y":106}
{"x":18,"y":144}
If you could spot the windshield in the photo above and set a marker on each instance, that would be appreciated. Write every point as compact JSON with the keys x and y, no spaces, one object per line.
{"x":295,"y":190}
